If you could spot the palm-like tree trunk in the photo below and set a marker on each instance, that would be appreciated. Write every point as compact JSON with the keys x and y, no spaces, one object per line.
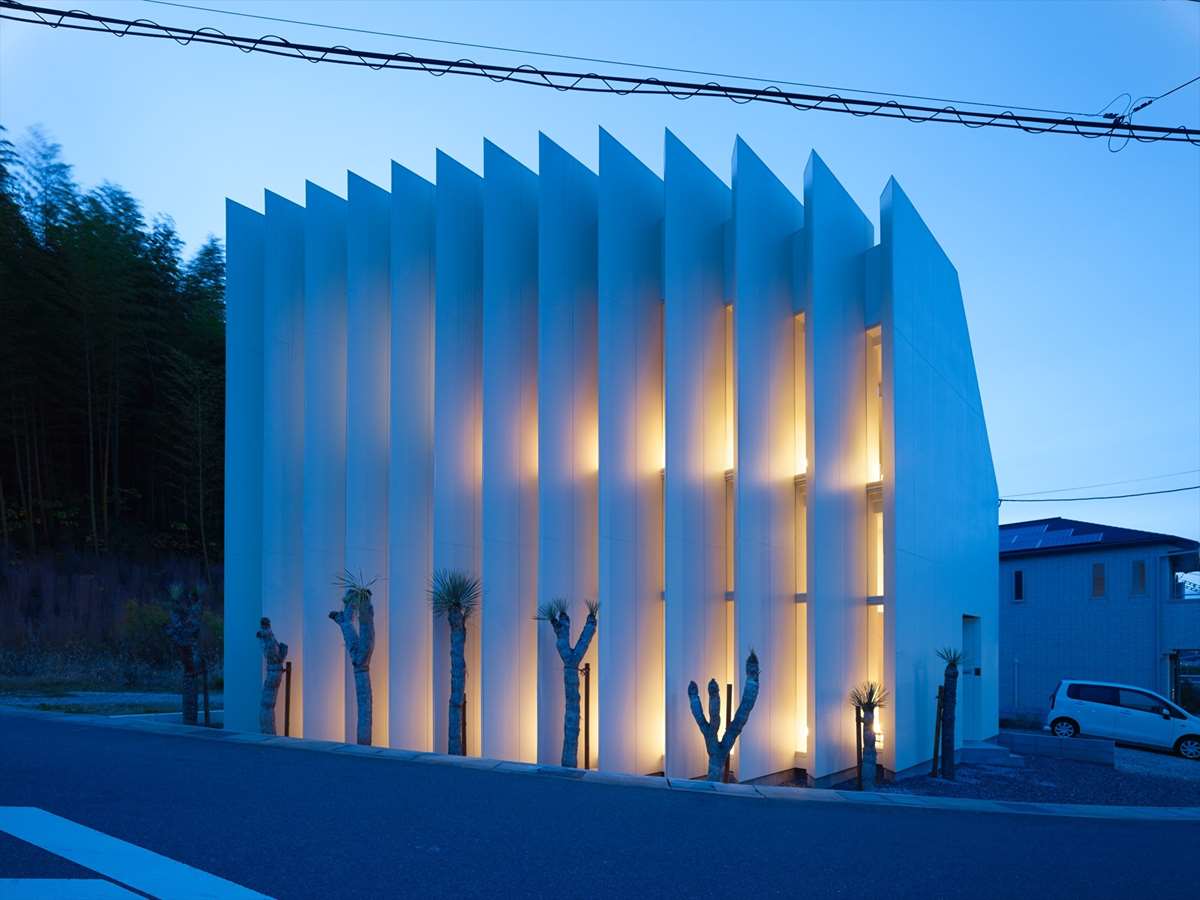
{"x":458,"y":681}
{"x":869,"y":762}
{"x":949,"y":704}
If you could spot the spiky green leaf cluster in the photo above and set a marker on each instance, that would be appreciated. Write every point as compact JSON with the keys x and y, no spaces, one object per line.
{"x":454,"y":591}
{"x":868,"y":695}
{"x":357,"y":590}
{"x":952,"y":656}
{"x":552,"y":610}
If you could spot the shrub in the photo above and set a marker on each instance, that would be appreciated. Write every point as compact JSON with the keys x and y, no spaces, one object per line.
{"x":143,"y":633}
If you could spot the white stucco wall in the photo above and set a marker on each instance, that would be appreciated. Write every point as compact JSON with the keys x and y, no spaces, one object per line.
{"x":939,"y":488}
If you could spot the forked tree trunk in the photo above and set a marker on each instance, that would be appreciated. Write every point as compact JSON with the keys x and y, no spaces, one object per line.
{"x":949,"y":703}
{"x":458,"y":682}
{"x":571,"y":657}
{"x":359,"y":646}
{"x":275,"y":654}
{"x":719,"y":748}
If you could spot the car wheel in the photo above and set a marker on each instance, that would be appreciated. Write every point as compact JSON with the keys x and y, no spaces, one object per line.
{"x":1189,"y":747}
{"x":1064,"y":728}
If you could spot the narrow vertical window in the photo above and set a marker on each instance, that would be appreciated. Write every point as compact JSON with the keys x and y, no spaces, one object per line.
{"x":1018,"y":585}
{"x":1097,"y":579}
{"x":1138,"y":580}
{"x":874,"y":401}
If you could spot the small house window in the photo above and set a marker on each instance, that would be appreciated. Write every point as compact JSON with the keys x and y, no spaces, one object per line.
{"x":1018,"y":585}
{"x":1139,"y":577}
{"x":1097,"y":579}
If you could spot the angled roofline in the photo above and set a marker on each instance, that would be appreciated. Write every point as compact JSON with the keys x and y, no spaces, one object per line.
{"x":1112,"y":536}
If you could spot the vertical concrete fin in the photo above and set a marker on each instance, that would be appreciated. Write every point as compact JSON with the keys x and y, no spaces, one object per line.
{"x":766,"y":217}
{"x":837,"y":236}
{"x":368,"y":354}
{"x":324,"y":518}
{"x":632,"y":450}
{"x":567,"y":424}
{"x":697,"y":210}
{"x":508,"y":630}
{"x":283,"y":441}
{"x":410,"y":470}
{"x":458,"y":402}
{"x":244,"y":235}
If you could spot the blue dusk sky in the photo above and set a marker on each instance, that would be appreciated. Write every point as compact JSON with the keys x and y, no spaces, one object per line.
{"x":1080,"y":267}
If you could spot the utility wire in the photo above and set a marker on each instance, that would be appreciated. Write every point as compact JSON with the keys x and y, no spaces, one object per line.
{"x":590,"y":82}
{"x":1180,"y":87}
{"x":613,"y":62}
{"x":1193,"y":487}
{"x":1084,"y":487}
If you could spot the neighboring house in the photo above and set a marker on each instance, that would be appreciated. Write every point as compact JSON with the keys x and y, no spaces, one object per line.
{"x":1081,"y":600}
{"x":716,"y":404}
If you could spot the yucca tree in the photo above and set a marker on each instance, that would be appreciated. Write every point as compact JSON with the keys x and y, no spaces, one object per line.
{"x":953,"y":658}
{"x":866,"y":698}
{"x":719,"y":748}
{"x":360,"y":644}
{"x":555,"y":612}
{"x":274,"y":653}
{"x":184,"y":631}
{"x":455,"y":595}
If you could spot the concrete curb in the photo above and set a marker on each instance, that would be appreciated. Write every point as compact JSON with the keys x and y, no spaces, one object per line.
{"x":744,"y":791}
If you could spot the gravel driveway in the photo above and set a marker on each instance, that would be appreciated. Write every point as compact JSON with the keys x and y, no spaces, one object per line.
{"x":1165,"y":765}
{"x":1139,"y":779}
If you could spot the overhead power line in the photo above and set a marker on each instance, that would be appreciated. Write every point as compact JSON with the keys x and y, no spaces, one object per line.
{"x":1120,"y":130}
{"x":1084,"y":487}
{"x":1193,"y":487}
{"x":612,"y":62}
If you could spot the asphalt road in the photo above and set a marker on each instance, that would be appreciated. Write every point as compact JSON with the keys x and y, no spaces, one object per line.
{"x":324,"y":825}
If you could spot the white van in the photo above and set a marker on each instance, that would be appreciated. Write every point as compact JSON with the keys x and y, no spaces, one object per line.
{"x":1127,"y":714}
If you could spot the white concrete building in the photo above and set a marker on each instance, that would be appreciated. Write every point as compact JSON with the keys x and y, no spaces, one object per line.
{"x":718,"y":407}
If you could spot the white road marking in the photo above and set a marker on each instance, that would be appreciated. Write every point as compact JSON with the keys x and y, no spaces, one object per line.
{"x":62,"y":889}
{"x":127,"y":863}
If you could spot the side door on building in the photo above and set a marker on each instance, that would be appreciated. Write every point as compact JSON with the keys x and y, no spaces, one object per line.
{"x":1094,"y":707}
{"x":1140,"y":720}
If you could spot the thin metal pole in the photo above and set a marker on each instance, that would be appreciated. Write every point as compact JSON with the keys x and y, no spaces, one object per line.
{"x":587,"y":715}
{"x":937,"y":734}
{"x":858,"y":745}
{"x":287,"y":699}
{"x":728,"y":719}
{"x":204,"y":675}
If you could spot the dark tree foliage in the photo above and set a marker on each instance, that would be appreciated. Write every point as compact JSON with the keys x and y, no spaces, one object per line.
{"x":112,"y":356}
